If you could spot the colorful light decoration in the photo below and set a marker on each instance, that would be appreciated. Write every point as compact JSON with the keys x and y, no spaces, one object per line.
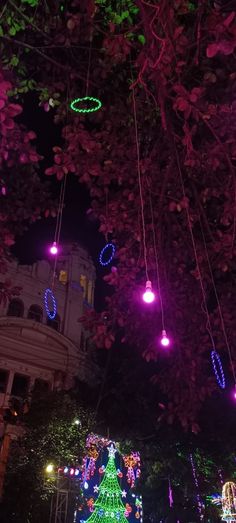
{"x":148,"y":295}
{"x":229,"y":502}
{"x":77,"y":104}
{"x":132,"y":463}
{"x":54,"y":249}
{"x":102,"y":259}
{"x":218,"y":369}
{"x":49,"y":294}
{"x":200,"y":505}
{"x":234,"y":392}
{"x":108,"y":506}
{"x":165,"y":341}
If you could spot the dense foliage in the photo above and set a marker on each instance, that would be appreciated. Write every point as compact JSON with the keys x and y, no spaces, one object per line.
{"x":172,"y":61}
{"x":50,"y":436}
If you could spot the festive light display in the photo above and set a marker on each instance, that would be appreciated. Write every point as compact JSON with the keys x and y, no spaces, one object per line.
{"x":54,"y":249}
{"x":215,"y":499}
{"x":49,"y":295}
{"x":108,"y":494}
{"x":165,"y":342}
{"x":218,"y":369}
{"x":229,"y":501}
{"x":78,"y":103}
{"x":200,"y":505}
{"x":102,"y":256}
{"x":109,"y":506}
{"x":148,"y":295}
{"x":132,"y":463}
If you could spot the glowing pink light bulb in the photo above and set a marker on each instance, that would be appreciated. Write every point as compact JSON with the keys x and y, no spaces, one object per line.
{"x":54,"y":249}
{"x":148,"y":295}
{"x":165,"y":342}
{"x":234,"y":393}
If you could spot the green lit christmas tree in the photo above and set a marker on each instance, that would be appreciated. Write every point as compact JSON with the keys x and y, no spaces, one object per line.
{"x":109,"y":507}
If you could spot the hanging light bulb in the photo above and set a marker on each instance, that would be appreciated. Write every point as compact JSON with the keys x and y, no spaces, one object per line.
{"x":165,"y":342}
{"x":148,"y":295}
{"x":234,"y":392}
{"x":54,"y":249}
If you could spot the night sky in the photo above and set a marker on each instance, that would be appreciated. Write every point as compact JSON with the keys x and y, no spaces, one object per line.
{"x":77,"y":225}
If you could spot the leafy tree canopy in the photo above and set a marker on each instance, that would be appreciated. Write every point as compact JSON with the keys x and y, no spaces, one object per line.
{"x":174,"y":63}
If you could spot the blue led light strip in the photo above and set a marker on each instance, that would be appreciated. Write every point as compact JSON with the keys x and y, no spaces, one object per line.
{"x":218,"y":369}
{"x":49,"y":295}
{"x":102,"y":259}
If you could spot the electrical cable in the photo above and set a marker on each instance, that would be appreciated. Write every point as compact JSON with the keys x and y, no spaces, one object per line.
{"x":209,"y":329}
{"x":218,"y":304}
{"x":140,"y":184}
{"x":157,"y":262}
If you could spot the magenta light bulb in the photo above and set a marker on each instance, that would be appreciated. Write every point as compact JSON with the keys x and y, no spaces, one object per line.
{"x":165,"y":342}
{"x":148,"y":295}
{"x":234,"y":393}
{"x":54,"y":249}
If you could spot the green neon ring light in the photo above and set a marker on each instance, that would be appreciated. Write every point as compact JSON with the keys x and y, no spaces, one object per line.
{"x":97,"y":104}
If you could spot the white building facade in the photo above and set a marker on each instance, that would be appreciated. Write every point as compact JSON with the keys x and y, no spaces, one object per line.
{"x":35,"y":350}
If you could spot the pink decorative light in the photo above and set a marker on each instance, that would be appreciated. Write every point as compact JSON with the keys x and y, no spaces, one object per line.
{"x":165,"y":342}
{"x":3,"y":190}
{"x":234,"y":392}
{"x":54,"y":249}
{"x":148,"y":295}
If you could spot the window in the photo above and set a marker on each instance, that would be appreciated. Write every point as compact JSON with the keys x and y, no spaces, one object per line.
{"x":35,"y":313}
{"x":3,"y":380}
{"x":20,"y":385}
{"x":90,"y":292}
{"x":55,"y":323}
{"x":83,"y":284}
{"x":40,"y":386}
{"x":16,"y":308}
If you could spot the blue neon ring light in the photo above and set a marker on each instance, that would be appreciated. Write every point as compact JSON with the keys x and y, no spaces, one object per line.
{"x":49,"y":294}
{"x":218,"y":369}
{"x":103,"y":251}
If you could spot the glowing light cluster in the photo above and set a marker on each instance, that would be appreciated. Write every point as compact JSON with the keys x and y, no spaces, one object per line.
{"x":94,"y":104}
{"x":54,"y":249}
{"x":229,"y":502}
{"x":200,"y":504}
{"x":165,"y":342}
{"x":109,"y":507}
{"x":148,"y":295}
{"x":49,"y":295}
{"x":69,"y":471}
{"x":103,"y":256}
{"x":218,"y":369}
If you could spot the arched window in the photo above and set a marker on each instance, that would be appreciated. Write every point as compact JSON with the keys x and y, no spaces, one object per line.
{"x":16,"y":308}
{"x":83,"y":284}
{"x":35,"y":313}
{"x":55,"y":323}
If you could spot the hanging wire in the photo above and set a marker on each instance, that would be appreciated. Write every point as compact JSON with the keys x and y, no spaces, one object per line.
{"x":61,"y":200}
{"x":140,"y":183}
{"x":205,"y":309}
{"x":157,"y":262}
{"x":218,"y":304}
{"x":89,"y":62}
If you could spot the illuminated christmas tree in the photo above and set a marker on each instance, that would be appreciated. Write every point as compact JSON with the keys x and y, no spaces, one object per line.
{"x":109,"y":507}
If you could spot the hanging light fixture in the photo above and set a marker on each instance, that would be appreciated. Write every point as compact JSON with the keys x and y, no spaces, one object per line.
{"x":148,"y":295}
{"x":165,"y":341}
